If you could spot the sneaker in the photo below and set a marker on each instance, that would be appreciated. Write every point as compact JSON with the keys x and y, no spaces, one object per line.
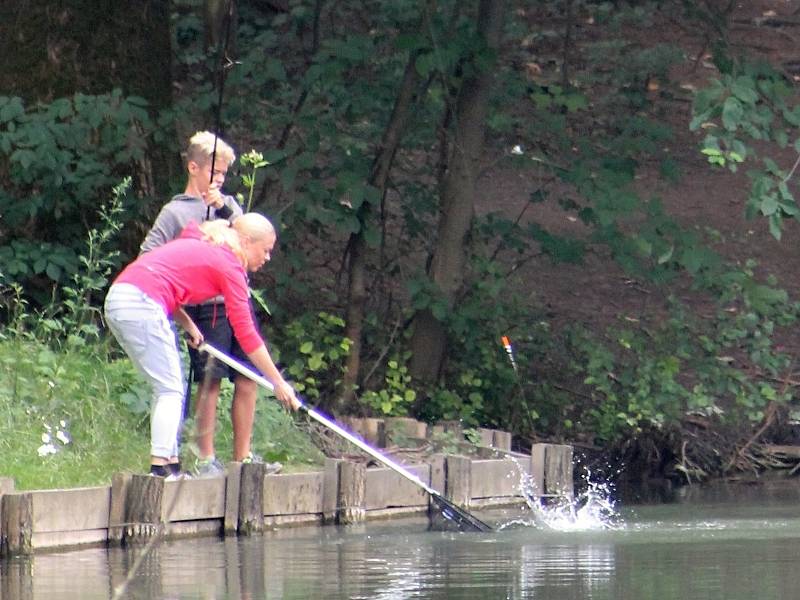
{"x":272,"y":467}
{"x":209,"y":467}
{"x":159,"y":471}
{"x":169,"y":472}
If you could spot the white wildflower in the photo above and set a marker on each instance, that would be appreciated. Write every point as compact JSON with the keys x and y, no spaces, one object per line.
{"x":46,"y":449}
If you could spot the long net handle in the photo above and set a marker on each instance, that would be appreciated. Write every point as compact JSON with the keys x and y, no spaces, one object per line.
{"x":317,"y":416}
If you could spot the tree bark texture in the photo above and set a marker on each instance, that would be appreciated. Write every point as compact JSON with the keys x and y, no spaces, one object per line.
{"x":357,"y":291}
{"x":429,"y":340}
{"x":54,"y":48}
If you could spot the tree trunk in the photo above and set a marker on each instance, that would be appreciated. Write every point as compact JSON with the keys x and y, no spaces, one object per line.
{"x":429,"y":339}
{"x":357,"y":292}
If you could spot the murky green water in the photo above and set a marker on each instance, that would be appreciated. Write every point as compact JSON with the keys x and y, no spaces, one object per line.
{"x":733,"y":543}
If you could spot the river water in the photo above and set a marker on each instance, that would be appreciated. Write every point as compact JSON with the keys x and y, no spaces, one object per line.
{"x":732,"y":542}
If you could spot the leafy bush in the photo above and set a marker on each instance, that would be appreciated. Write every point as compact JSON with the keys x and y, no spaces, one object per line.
{"x":312,"y":350}
{"x":653,"y":373}
{"x":397,"y":396}
{"x":55,"y":160}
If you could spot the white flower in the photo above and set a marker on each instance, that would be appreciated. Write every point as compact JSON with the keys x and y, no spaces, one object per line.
{"x":46,"y":449}
{"x":517,"y":150}
{"x":62,"y":437}
{"x":46,"y":438}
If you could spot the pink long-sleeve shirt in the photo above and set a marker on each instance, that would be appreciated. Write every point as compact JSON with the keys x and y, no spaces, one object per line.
{"x":188,"y":270}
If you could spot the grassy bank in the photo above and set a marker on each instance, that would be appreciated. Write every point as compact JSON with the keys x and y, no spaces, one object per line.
{"x":73,"y":417}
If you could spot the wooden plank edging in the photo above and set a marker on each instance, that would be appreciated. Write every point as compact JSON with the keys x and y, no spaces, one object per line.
{"x":137,"y":507}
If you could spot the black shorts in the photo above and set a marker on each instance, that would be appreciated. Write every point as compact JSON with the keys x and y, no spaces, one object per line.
{"x":213,"y":323}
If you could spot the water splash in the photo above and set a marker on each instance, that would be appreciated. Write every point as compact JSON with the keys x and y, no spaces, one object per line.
{"x":593,"y":509}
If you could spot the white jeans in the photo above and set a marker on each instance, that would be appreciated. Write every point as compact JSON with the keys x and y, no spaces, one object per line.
{"x":142,"y":329}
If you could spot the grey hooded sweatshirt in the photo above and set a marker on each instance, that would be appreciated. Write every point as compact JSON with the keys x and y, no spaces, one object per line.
{"x":178,"y":212}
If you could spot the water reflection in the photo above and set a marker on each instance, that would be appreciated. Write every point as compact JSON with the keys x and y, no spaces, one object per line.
{"x":710,"y":547}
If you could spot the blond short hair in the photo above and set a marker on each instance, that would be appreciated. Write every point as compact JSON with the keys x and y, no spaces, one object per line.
{"x":201,"y":147}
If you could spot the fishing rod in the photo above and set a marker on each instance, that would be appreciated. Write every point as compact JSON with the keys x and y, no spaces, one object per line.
{"x":224,"y":63}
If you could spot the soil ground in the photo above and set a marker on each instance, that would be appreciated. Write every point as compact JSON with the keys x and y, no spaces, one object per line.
{"x":597,"y":292}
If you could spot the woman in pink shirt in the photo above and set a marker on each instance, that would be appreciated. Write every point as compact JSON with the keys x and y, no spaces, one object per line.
{"x":204,"y":262}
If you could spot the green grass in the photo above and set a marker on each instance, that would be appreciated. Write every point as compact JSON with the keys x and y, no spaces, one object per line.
{"x":104,"y":407}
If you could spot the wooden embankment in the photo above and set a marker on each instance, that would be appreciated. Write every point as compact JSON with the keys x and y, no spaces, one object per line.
{"x":135,"y":507}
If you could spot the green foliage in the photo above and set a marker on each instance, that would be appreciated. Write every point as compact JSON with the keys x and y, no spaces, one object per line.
{"x":313,"y":351}
{"x":254,"y":160}
{"x":480,"y":386}
{"x":44,"y":392}
{"x":397,"y":396}
{"x":56,"y":159}
{"x":748,"y":104}
{"x":81,"y":315}
{"x":648,"y":374}
{"x":64,"y":423}
{"x":318,"y":89}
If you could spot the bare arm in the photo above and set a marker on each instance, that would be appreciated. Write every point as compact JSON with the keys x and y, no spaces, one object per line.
{"x":185,"y":321}
{"x":284,"y":392}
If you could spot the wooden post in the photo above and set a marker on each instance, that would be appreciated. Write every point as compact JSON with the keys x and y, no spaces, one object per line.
{"x":551,"y":470}
{"x":502,"y":440}
{"x":375,"y":430}
{"x":143,"y":517}
{"x":120,"y":482}
{"x":352,"y":490}
{"x":458,"y":480}
{"x":455,"y":427}
{"x":438,"y":474}
{"x":330,"y":490}
{"x":251,"y":498}
{"x":6,"y":486}
{"x":487,"y":437}
{"x":371,"y":430}
{"x":405,"y":427}
{"x":233,"y":482}
{"x":16,"y":523}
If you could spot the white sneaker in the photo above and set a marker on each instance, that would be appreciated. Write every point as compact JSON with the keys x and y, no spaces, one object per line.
{"x":209,"y":467}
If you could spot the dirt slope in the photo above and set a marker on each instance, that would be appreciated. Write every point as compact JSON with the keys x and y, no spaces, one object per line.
{"x":598,"y":291}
